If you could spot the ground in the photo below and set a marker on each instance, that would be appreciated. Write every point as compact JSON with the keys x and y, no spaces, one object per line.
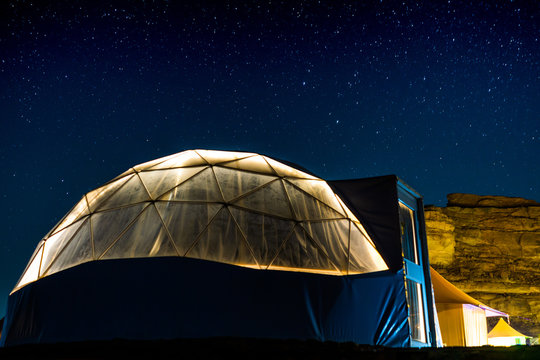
{"x":255,"y":349}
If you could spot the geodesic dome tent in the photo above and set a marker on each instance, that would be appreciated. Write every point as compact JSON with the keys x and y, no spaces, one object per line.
{"x":237,"y":208}
{"x":191,"y":233}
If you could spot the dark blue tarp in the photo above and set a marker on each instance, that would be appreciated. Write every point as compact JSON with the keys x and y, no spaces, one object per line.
{"x":163,"y":298}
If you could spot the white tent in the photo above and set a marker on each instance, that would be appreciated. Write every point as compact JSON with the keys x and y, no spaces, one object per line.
{"x":236,"y":208}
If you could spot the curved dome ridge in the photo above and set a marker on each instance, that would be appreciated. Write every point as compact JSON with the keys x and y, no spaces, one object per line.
{"x":239,"y":208}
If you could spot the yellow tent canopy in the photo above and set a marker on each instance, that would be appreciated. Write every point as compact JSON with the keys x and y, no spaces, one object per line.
{"x":502,"y":329}
{"x":447,"y":293}
{"x":462,"y":318}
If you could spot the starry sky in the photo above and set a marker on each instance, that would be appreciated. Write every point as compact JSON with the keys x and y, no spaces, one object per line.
{"x":445,"y":95}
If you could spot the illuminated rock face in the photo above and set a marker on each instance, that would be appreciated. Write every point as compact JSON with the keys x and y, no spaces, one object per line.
{"x":489,"y":247}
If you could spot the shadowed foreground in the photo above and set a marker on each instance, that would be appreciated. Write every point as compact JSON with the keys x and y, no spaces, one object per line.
{"x":254,"y":349}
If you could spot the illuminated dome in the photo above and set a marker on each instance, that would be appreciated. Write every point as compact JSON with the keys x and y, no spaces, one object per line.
{"x":238,"y":208}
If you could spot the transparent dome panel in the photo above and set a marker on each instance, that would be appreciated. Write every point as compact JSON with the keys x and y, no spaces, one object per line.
{"x":235,"y":183}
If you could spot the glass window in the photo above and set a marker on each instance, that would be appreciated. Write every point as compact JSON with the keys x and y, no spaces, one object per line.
{"x":416,"y":311}
{"x":408,"y":234}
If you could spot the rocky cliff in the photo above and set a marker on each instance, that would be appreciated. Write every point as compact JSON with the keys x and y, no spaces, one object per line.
{"x":489,"y":247}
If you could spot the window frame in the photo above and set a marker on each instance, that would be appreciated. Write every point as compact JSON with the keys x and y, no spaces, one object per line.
{"x":415,"y":271}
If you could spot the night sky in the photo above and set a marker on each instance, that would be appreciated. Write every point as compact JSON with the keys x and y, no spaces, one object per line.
{"x":445,"y":95}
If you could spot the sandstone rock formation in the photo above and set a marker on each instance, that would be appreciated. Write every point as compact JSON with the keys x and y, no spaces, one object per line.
{"x":489,"y":247}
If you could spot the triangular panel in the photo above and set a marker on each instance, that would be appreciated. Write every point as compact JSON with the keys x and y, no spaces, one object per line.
{"x":299,"y":252}
{"x":222,"y":241}
{"x":108,"y":225}
{"x":97,"y":197}
{"x":31,"y":272}
{"x":320,"y":190}
{"x":201,"y":187}
{"x":77,"y":251}
{"x":78,"y":211}
{"x":264,"y":233}
{"x":363,"y":256}
{"x":308,"y":208}
{"x":145,"y":238}
{"x":183,"y":159}
{"x":147,"y":165}
{"x":235,"y":183}
{"x":56,"y":243}
{"x":348,"y":212}
{"x":159,"y":182}
{"x":333,"y":237}
{"x":186,"y":221}
{"x":270,"y":199}
{"x":253,"y":163}
{"x":287,"y":171}
{"x":215,"y":157}
{"x":132,"y":192}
